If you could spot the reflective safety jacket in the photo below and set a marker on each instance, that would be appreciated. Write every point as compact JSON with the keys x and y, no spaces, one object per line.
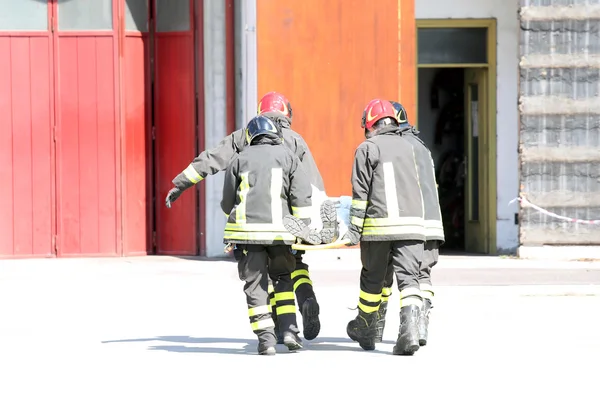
{"x":264,"y":183}
{"x":217,"y":159}
{"x":434,"y":229}
{"x":387,"y":204}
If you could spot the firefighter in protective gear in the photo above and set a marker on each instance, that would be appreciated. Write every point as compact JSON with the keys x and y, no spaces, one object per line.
{"x":263,"y":184}
{"x":277,"y":108}
{"x":387,"y":219}
{"x":434,"y":230}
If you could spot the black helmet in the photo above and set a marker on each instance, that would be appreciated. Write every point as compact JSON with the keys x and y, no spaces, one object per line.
{"x":400,"y":114}
{"x":260,"y":126}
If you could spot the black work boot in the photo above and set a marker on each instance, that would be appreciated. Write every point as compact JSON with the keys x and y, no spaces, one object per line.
{"x":292,"y":340}
{"x":381,"y":322}
{"x":311,"y":326}
{"x":408,"y":335}
{"x":328,"y":212}
{"x":266,"y":341}
{"x":424,"y":322}
{"x":298,"y":228}
{"x":363,"y":329}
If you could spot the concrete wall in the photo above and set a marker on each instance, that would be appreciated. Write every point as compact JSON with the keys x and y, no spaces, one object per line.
{"x":506,"y":13}
{"x":215,"y":114}
{"x":560,"y":124}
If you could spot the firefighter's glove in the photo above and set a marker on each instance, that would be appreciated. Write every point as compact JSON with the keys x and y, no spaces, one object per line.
{"x":353,"y":235}
{"x":172,"y":196}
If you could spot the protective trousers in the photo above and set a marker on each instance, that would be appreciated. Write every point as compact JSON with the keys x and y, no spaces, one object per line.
{"x":430,"y":259}
{"x":404,"y":258}
{"x":257,"y":263}
{"x":303,"y":286}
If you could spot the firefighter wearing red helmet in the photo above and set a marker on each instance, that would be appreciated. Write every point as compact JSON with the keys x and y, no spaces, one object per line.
{"x":387,"y":218}
{"x":276,"y":107}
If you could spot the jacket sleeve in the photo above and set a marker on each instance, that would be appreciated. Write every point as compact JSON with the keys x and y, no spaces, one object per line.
{"x":209,"y":162}
{"x":362,"y":173}
{"x":230,"y":187}
{"x":300,"y":195}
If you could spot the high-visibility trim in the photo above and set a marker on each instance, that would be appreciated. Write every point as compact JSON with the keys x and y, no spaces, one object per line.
{"x":262,"y":324}
{"x":302,"y":213}
{"x":385,"y":298}
{"x":426,"y":287}
{"x":367,"y":308}
{"x":270,"y":289}
{"x":410,"y":291}
{"x":386,"y":291}
{"x":287,"y":309}
{"x":432,"y":223}
{"x":302,"y":281}
{"x":300,"y":272}
{"x":256,"y":227}
{"x":411,"y":300}
{"x":259,"y":310}
{"x":391,"y":194}
{"x":355,"y":220}
{"x":226,"y":214}
{"x":370,"y":297}
{"x":258,"y":236}
{"x":276,"y":186}
{"x":427,"y":294}
{"x":284,"y":296}
{"x":394,"y":230}
{"x":399,"y":220}
{"x":244,"y":188}
{"x":192,"y":175}
{"x":359,"y":204}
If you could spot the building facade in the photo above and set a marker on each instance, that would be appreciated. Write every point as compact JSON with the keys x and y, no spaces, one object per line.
{"x":103,"y":102}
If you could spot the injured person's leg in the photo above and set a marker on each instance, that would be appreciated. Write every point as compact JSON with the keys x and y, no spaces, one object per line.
{"x":333,"y":222}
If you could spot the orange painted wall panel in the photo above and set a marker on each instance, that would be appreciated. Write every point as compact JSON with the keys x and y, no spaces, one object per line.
{"x":330,"y":58}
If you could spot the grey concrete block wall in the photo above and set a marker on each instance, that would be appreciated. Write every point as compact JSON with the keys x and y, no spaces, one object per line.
{"x":559,"y":107}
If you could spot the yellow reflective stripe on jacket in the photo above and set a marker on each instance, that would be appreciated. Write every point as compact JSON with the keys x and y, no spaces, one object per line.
{"x":258,"y":236}
{"x":259,"y":310}
{"x":244,"y":188}
{"x":255,"y":227}
{"x":359,"y":204}
{"x":370,"y":297}
{"x":262,"y":324}
{"x":394,"y":230}
{"x":300,"y":272}
{"x":276,"y":187}
{"x":284,"y":296}
{"x":357,"y":221}
{"x":192,"y":175}
{"x":408,"y":220}
{"x":302,"y":213}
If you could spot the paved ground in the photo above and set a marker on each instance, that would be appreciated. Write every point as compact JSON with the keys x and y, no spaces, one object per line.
{"x":161,"y":336}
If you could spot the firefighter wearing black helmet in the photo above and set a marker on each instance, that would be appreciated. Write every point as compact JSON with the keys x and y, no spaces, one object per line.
{"x":264,"y":183}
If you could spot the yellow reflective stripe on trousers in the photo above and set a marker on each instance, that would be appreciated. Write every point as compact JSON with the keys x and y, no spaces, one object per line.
{"x":258,"y":236}
{"x":287,"y":309}
{"x":357,"y":221}
{"x":411,"y":296}
{"x":359,"y":204}
{"x":302,"y":213}
{"x":192,"y":175}
{"x":302,"y":281}
{"x":276,"y":186}
{"x":262,"y":324}
{"x":369,"y":297}
{"x":391,"y":194}
{"x":244,"y":188}
{"x":394,"y":230}
{"x":284,"y":296}
{"x":386,"y":293}
{"x":259,"y":310}
{"x":426,"y":291}
{"x":300,"y":272}
{"x":367,"y":308}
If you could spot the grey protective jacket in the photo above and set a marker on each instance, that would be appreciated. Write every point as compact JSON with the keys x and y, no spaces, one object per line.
{"x":217,"y":159}
{"x":434,"y":229}
{"x":264,"y":183}
{"x":387,"y":204}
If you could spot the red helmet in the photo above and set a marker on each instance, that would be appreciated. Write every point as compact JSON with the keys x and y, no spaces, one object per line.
{"x":275,"y":102}
{"x":376,"y":110}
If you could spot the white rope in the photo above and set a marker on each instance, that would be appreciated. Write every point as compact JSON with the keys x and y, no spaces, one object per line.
{"x":526,"y":203}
